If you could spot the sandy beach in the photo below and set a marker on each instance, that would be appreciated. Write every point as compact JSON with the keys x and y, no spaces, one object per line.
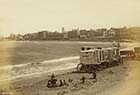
{"x":118,"y":80}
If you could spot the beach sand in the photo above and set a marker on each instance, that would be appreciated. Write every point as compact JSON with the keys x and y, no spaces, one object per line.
{"x":119,"y":80}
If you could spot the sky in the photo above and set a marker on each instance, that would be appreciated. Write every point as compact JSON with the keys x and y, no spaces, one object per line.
{"x":28,"y":16}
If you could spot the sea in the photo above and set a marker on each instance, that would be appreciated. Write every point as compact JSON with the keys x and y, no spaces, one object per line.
{"x":22,"y":59}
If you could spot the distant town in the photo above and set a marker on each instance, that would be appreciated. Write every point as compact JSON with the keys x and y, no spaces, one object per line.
{"x":102,"y":34}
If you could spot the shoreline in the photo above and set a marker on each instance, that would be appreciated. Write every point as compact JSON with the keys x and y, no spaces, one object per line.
{"x":98,"y":40}
{"x":45,"y":74}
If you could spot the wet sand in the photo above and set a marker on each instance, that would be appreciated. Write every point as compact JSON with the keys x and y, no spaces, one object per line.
{"x":120,"y":80}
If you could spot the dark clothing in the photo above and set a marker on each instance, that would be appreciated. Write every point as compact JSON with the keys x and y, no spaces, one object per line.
{"x":61,"y":83}
{"x":49,"y":84}
{"x":70,"y":80}
{"x":52,"y":76}
{"x":64,"y":82}
{"x":83,"y":79}
{"x":52,"y":83}
{"x":94,"y":75}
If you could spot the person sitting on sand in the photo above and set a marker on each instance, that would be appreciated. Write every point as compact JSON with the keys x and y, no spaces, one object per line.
{"x":52,"y":81}
{"x":61,"y":83}
{"x":64,"y":82}
{"x":94,"y":75}
{"x":83,"y":79}
{"x":70,"y":80}
{"x":49,"y":84}
{"x":52,"y":76}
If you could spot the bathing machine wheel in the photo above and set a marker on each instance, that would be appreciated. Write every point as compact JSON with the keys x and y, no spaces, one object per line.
{"x":79,"y":67}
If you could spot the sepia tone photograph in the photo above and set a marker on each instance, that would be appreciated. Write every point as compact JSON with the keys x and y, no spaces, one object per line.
{"x":69,"y":47}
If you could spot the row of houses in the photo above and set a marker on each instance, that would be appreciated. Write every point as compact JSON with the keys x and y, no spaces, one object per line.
{"x":74,"y":34}
{"x":43,"y":35}
{"x":78,"y":34}
{"x":96,"y":34}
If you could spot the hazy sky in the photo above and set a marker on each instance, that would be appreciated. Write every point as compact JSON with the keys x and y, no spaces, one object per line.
{"x":27,"y":16}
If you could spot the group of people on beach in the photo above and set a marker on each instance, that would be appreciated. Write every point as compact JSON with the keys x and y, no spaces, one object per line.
{"x":62,"y":82}
{"x":93,"y":77}
{"x":53,"y":82}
